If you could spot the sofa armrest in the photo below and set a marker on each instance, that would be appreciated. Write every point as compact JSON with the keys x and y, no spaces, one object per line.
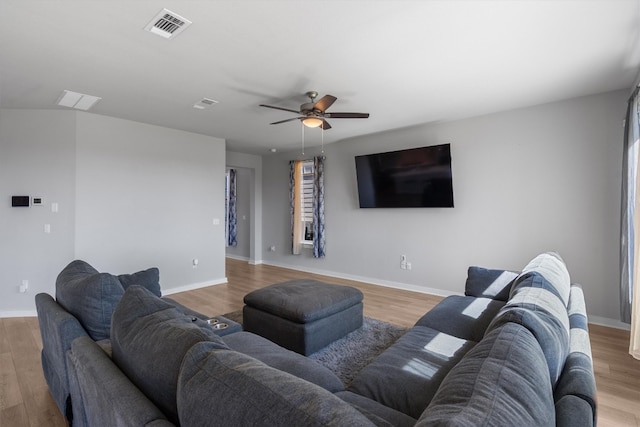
{"x":58,"y":329}
{"x":575,"y":393}
{"x":108,"y":396}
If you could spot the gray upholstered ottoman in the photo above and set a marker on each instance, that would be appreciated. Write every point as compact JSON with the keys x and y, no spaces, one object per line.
{"x":303,"y":315}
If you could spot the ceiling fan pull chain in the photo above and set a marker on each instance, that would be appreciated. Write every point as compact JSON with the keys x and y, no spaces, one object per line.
{"x":322,"y":133}
{"x":302,"y":125}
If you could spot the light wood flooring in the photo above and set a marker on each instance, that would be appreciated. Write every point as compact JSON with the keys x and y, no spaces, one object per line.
{"x":25,"y":399}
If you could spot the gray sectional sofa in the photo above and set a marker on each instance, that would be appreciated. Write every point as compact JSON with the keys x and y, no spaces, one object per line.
{"x":514,"y":350}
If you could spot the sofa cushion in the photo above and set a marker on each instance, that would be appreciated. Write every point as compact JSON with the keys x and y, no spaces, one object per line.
{"x":285,"y":360}
{"x":489,"y":283}
{"x":406,"y":375}
{"x":149,"y":338}
{"x":462,"y":316}
{"x":379,"y":414}
{"x":102,"y":394}
{"x":536,"y":305}
{"x":552,"y":267}
{"x":149,"y":279}
{"x":226,"y":388}
{"x":90,"y":296}
{"x":503,"y":381}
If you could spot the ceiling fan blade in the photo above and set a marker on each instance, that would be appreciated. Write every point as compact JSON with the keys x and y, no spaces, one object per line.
{"x":324,"y":103}
{"x":287,"y":120}
{"x":325,"y":125}
{"x":280,"y":108}
{"x":347,"y":115}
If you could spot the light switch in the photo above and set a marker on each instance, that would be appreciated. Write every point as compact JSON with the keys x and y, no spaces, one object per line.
{"x":216,"y":221}
{"x":54,"y":207}
{"x":47,"y":228}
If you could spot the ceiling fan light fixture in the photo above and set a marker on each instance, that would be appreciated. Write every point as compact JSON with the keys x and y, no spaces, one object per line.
{"x":312,"y":122}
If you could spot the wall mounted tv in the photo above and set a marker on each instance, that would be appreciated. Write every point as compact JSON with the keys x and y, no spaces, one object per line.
{"x":413,"y":178}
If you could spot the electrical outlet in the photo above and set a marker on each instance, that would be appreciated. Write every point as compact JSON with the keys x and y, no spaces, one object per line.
{"x":408,"y":266}
{"x":403,"y":262}
{"x":194,"y":263}
{"x":24,"y":286}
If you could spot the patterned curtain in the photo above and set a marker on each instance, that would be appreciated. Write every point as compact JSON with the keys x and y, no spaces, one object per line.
{"x":318,"y":207}
{"x":295,"y":175}
{"x":232,"y":220}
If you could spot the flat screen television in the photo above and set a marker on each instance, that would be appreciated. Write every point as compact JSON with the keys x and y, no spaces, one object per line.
{"x":413,"y":178}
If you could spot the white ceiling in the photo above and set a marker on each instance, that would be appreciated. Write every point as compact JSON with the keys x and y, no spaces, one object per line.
{"x":404,"y":62}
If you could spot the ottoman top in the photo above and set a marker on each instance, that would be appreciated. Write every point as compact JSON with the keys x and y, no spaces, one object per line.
{"x":303,"y":300}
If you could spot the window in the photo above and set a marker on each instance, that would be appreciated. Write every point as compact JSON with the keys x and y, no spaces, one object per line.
{"x":306,"y":204}
{"x":306,"y":196}
{"x":302,"y":204}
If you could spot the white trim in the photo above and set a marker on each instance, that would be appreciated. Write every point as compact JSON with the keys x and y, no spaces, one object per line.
{"x":370,"y":280}
{"x":596,"y":320}
{"x":610,"y":323}
{"x":25,"y":313}
{"x":237,"y":257}
{"x":242,"y":258}
{"x":194,"y":286}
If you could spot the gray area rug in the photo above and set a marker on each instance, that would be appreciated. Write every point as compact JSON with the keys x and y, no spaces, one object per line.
{"x":347,"y":356}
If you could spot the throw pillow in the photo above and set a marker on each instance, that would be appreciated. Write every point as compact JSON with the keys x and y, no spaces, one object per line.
{"x":90,"y":296}
{"x":149,"y":278}
{"x":489,"y":283}
{"x":149,"y":338}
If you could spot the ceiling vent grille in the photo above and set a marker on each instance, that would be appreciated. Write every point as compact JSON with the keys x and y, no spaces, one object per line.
{"x":204,"y":103}
{"x":167,"y":24}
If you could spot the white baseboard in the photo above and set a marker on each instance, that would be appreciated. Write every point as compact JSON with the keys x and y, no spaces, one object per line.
{"x":22,"y":313}
{"x":242,"y":258}
{"x":371,"y":280}
{"x":237,"y":257}
{"x":194,"y":286}
{"x":611,"y":323}
{"x":596,"y":320}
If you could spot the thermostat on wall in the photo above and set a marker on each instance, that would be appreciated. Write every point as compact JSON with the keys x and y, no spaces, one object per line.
{"x":20,"y":201}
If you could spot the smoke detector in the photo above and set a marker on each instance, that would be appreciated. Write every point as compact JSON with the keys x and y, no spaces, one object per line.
{"x":167,"y":24}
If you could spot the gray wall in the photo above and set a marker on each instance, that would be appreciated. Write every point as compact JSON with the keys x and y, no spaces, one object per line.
{"x":147,"y":196}
{"x":130,"y":196}
{"x":525,"y":181}
{"x":37,"y":158}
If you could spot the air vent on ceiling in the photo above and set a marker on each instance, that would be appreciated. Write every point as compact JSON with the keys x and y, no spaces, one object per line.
{"x":167,"y":24}
{"x":79,"y":101}
{"x":204,"y":103}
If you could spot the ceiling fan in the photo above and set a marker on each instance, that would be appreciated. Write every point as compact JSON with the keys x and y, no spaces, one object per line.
{"x":313,"y":114}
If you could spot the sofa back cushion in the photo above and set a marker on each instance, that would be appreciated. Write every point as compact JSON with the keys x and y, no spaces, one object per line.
{"x":149,"y":338}
{"x":552,"y":267}
{"x":536,"y":306}
{"x":149,"y":279}
{"x":538,"y":300}
{"x":489,"y":283}
{"x":226,"y":388}
{"x":502,"y":381}
{"x":90,"y":296}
